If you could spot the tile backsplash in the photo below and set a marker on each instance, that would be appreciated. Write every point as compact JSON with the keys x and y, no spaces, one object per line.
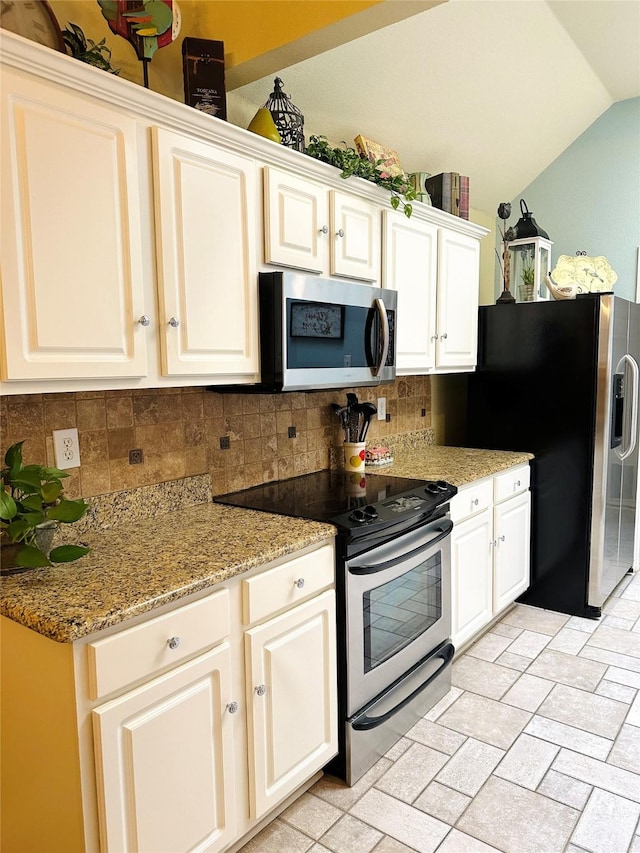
{"x":179,"y":432}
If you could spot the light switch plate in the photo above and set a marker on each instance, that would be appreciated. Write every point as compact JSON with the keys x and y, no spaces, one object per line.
{"x":66,"y":447}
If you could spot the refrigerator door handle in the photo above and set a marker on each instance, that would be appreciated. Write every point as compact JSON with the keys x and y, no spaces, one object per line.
{"x":635,"y":374}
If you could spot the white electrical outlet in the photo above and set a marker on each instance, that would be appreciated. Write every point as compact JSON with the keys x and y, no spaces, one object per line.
{"x":382,"y":408}
{"x":66,"y":447}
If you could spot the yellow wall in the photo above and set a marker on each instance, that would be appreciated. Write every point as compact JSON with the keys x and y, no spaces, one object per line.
{"x":40,"y":759}
{"x":248,"y":29}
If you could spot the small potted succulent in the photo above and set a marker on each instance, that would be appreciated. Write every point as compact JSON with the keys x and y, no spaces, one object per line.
{"x":32,"y":503}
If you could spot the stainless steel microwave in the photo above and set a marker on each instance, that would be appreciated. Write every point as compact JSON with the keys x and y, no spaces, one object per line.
{"x":321,"y":333}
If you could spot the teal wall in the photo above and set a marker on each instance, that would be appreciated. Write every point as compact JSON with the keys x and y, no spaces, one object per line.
{"x":588,"y":199}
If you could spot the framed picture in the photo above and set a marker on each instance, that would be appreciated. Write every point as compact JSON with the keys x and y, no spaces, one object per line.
{"x":317,"y":320}
{"x":375,"y":151}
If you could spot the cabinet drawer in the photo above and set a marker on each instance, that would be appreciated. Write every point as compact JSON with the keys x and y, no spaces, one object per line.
{"x":168,"y":639}
{"x":511,"y":483}
{"x":471,"y":500}
{"x":286,"y":585}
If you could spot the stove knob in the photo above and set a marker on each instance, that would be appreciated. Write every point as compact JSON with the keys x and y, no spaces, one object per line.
{"x":370,"y":511}
{"x":358,"y":515}
{"x":442,"y":485}
{"x":432,"y":488}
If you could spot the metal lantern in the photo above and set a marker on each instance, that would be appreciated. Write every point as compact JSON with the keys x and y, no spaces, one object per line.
{"x":286,"y":117}
{"x":529,"y":259}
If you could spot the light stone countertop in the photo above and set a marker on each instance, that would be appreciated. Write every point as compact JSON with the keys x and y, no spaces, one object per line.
{"x":136,"y":567}
{"x":457,"y":465}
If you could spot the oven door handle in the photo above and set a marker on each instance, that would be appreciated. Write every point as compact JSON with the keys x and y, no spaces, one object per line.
{"x":444,"y":529}
{"x":364,"y":722}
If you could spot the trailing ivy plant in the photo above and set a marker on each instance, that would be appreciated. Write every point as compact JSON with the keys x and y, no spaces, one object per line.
{"x":351,"y":163}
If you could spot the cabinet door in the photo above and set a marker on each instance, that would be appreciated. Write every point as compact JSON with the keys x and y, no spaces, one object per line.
{"x":296,"y":222}
{"x":291,"y":700}
{"x":471,"y":576}
{"x":205,"y":200}
{"x":410,"y":267}
{"x":512,"y":521}
{"x":164,"y":756}
{"x":355,"y":237}
{"x":72,"y":269}
{"x":458,"y":283}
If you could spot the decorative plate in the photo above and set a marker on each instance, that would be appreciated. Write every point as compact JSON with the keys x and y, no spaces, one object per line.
{"x":583,"y":274}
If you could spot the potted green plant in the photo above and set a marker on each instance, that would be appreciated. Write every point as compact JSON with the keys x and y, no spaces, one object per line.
{"x":32,"y":502}
{"x":87,"y":50}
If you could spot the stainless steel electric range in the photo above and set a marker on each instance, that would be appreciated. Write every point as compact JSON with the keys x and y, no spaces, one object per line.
{"x":393,"y":590}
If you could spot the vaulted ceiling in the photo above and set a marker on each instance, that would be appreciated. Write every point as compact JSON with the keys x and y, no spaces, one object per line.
{"x":495,"y":89}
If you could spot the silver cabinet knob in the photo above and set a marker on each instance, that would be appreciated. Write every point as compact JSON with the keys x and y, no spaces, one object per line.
{"x":173,"y":642}
{"x":475,"y":501}
{"x":340,"y":233}
{"x":493,"y":543}
{"x":324,"y":229}
{"x":299,"y":583}
{"x":517,"y":484}
{"x":174,"y":322}
{"x":144,"y":320}
{"x":232,"y":707}
{"x":434,"y":337}
{"x":444,"y":336}
{"x":501,"y":538}
{"x":261,"y":689}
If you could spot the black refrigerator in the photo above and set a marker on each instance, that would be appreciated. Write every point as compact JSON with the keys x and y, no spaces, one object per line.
{"x":560,"y":379}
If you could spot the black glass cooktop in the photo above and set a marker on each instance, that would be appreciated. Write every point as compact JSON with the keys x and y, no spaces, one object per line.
{"x":347,"y":499}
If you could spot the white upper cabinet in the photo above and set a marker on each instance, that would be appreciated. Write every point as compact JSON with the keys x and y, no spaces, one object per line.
{"x":435,"y":270}
{"x":71,"y":262}
{"x":355,"y":237}
{"x":410,"y":266}
{"x":205,"y":200}
{"x":310,"y":227}
{"x":133,"y":229}
{"x":296,"y":221}
{"x":458,"y":282}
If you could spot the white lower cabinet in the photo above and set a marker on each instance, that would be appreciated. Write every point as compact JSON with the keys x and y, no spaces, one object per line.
{"x":167,"y":770}
{"x":291,"y":700}
{"x":511,"y":530}
{"x":165,"y":765}
{"x":471,"y":576}
{"x":179,"y":733}
{"x":490,"y":549}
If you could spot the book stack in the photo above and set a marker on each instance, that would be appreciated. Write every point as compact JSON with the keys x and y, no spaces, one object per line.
{"x":449,"y":191}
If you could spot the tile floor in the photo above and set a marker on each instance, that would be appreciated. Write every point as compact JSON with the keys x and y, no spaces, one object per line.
{"x":535,"y":749}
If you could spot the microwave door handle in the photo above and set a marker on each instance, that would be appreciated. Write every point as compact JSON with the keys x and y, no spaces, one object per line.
{"x":635,"y":374}
{"x":384,"y":325}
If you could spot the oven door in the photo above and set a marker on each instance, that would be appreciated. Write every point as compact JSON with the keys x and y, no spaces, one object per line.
{"x":398,"y":608}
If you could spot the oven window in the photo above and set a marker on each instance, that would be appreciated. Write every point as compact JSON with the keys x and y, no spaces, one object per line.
{"x":397,"y":612}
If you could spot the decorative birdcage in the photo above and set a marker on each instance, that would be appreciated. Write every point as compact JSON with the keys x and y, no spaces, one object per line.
{"x":286,"y":117}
